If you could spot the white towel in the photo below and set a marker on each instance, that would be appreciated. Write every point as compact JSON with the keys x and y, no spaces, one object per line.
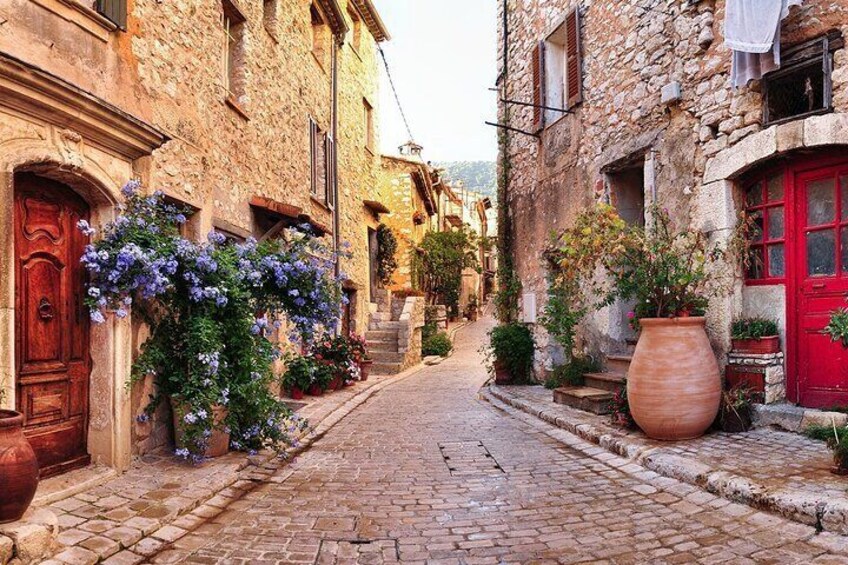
{"x":752,"y":31}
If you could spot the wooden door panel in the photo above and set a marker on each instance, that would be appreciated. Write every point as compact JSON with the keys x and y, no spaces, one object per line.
{"x":52,"y":341}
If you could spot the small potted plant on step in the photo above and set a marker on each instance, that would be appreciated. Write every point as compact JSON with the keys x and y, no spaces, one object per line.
{"x":755,"y":335}
{"x":736,"y":409}
{"x":299,"y":376}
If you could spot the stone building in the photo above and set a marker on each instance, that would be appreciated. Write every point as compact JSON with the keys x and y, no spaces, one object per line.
{"x":407,"y":187}
{"x":257,"y":115}
{"x":634,"y":105}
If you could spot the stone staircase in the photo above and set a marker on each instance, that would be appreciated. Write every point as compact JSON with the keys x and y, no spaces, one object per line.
{"x":383,"y":342}
{"x":598,"y":388}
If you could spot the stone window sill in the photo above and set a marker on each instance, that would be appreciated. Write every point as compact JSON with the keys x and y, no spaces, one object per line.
{"x":84,"y":17}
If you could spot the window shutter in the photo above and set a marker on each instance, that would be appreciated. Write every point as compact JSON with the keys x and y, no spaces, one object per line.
{"x":114,"y":10}
{"x":313,"y":169}
{"x":574,"y":64}
{"x":538,"y":85}
{"x":330,"y":155}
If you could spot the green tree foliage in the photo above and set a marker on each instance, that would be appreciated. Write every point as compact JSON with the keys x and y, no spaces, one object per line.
{"x":386,"y":254}
{"x":437,"y":268}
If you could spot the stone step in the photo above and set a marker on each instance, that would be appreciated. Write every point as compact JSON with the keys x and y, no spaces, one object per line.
{"x":386,"y":356}
{"x":611,"y":382}
{"x":381,"y":335}
{"x":618,"y":363}
{"x":385,"y":325}
{"x":386,"y":368}
{"x":387,"y":346}
{"x":584,"y":398}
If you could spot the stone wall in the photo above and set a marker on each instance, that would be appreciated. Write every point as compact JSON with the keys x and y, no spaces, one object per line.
{"x":630,"y":51}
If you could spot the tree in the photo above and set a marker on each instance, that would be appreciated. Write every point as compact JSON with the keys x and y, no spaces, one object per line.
{"x":438,"y":265}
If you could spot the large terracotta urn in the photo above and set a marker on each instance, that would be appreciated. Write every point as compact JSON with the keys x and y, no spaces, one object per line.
{"x":673,"y":385}
{"x":18,"y":468}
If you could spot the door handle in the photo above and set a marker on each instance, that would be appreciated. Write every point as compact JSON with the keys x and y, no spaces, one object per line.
{"x":45,"y":309}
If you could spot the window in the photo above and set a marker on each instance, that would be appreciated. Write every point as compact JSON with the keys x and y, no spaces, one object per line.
{"x":803,"y":86}
{"x":233,"y":72}
{"x":320,"y":35}
{"x":557,"y":71}
{"x":764,"y":205}
{"x":356,"y":28}
{"x":269,"y":17}
{"x":368,"y":116}
{"x":114,"y":11}
{"x":318,"y":160}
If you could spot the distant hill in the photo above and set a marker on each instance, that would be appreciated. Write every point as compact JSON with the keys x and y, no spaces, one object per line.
{"x":479,"y":176}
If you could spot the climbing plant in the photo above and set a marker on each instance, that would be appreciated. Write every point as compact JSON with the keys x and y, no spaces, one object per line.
{"x":387,"y":245}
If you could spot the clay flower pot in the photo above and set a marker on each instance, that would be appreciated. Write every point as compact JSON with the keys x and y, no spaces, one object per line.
{"x":18,"y":467}
{"x":365,"y":369}
{"x":759,"y":346}
{"x":315,"y":390}
{"x":673,"y":384}
{"x":295,"y":393}
{"x":218,"y":443}
{"x":502,"y":374}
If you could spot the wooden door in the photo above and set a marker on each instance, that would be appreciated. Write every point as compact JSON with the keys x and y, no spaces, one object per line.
{"x":821,"y":284}
{"x":51,"y":324}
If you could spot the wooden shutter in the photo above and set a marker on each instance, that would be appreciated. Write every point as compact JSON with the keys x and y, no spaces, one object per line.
{"x":313,"y":154}
{"x":114,"y":10}
{"x":573,"y":64}
{"x":538,"y":85}
{"x":330,"y":157}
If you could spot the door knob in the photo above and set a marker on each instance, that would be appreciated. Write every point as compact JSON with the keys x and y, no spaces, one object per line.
{"x":45,"y":309}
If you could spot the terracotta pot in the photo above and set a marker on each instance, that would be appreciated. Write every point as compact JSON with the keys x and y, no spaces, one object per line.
{"x":295,"y":393}
{"x":761,"y":346}
{"x":673,"y":384}
{"x":218,"y":443}
{"x":335,"y":384}
{"x":365,"y":369}
{"x":502,"y":374}
{"x":315,"y":390}
{"x":18,"y":467}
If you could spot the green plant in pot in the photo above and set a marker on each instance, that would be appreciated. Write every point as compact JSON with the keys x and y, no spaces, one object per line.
{"x":737,"y":406}
{"x":512,"y":349}
{"x":755,"y":335}
{"x":299,"y":375}
{"x":669,"y":275}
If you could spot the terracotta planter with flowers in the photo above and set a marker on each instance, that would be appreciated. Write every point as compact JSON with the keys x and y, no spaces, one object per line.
{"x":295,"y":393}
{"x":365,"y":369}
{"x":218,"y":443}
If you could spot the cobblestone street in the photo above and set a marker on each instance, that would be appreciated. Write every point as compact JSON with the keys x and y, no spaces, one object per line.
{"x":425,"y":472}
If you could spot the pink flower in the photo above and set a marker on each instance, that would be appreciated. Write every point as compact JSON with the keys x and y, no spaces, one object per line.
{"x":631,"y":315}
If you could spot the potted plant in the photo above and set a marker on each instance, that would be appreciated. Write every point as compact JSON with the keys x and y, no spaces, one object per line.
{"x":359,"y":348}
{"x":755,"y":335}
{"x":18,"y":466}
{"x":511,"y":353}
{"x":299,"y":375}
{"x":208,"y":351}
{"x":736,"y":409}
{"x":673,"y":385}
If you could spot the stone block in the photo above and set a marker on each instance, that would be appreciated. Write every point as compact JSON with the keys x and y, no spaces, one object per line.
{"x":77,"y":556}
{"x":822,"y":418}
{"x":6,"y":549}
{"x":734,"y":160}
{"x":32,"y":542}
{"x":790,"y":136}
{"x":829,"y":129}
{"x":786,"y":416}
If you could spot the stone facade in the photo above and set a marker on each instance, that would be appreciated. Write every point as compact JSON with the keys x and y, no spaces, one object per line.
{"x":92,"y":105}
{"x":406,"y":188}
{"x":687,"y":154}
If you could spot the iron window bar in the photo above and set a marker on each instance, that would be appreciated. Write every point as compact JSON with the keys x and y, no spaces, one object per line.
{"x":531,"y":105}
{"x":510,"y":128}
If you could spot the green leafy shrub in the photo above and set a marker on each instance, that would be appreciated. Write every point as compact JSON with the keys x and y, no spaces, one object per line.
{"x":837,"y":441}
{"x":513,"y":347}
{"x":437,"y":268}
{"x":753,"y":328}
{"x":437,"y":344}
{"x":571,"y":373}
{"x":837,"y":329}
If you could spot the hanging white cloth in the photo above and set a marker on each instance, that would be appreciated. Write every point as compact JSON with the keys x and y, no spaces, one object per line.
{"x":752,"y":31}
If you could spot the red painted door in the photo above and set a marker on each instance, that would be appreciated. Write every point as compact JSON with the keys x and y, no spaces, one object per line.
{"x":821,"y":284}
{"x":51,"y":325}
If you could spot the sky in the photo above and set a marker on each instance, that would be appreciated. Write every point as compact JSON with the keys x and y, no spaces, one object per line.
{"x":442,"y":57}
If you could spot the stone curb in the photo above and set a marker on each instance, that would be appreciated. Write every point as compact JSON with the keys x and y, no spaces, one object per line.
{"x":806,"y":508}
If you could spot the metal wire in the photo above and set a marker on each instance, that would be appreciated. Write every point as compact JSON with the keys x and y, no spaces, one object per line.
{"x":394,"y":90}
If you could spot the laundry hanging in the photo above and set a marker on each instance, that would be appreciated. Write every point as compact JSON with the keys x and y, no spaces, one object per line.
{"x":752,"y":31}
